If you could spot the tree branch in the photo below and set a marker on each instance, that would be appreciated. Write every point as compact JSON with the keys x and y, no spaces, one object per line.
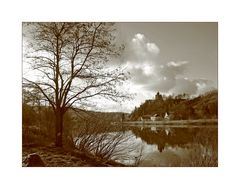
{"x":42,"y":91}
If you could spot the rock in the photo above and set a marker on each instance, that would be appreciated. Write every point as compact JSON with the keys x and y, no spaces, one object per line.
{"x":34,"y":160}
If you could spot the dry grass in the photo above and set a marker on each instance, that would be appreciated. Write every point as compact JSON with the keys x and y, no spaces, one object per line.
{"x":102,"y":143}
{"x":58,"y":157}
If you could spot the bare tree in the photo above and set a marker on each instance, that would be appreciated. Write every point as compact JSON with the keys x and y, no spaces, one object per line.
{"x":69,"y":65}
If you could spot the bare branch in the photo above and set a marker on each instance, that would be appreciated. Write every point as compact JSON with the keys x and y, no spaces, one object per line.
{"x":42,"y":91}
{"x":70,"y":60}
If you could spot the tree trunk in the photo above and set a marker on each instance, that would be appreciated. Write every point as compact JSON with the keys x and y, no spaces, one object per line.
{"x":58,"y":128}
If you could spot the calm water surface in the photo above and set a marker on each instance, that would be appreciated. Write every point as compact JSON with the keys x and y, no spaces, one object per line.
{"x":173,"y":147}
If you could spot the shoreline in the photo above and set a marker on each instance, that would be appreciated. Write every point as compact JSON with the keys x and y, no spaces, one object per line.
{"x":60,"y":157}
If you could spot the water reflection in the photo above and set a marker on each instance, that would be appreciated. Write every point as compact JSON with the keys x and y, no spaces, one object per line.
{"x":141,"y":146}
{"x":197,"y":145}
{"x":177,"y":137}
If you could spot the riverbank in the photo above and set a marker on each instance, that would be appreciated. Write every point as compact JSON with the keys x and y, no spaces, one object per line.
{"x":173,"y":123}
{"x":59,"y":157}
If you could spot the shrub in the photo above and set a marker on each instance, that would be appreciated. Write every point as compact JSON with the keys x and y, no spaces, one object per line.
{"x":103,"y":142}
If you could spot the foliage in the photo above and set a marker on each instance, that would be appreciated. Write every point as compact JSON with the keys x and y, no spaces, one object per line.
{"x":181,"y":107}
{"x":38,"y":123}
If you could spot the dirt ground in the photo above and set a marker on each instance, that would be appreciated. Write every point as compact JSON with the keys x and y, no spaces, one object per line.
{"x":58,"y":157}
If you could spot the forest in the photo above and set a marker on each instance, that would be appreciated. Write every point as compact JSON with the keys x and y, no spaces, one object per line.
{"x":180,"y":107}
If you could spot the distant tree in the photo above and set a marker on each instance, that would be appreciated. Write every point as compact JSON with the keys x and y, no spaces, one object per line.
{"x":206,"y":111}
{"x":212,"y":109}
{"x":69,"y":64}
{"x":182,"y":107}
{"x":191,"y":112}
{"x":30,"y":107}
{"x":29,"y":115}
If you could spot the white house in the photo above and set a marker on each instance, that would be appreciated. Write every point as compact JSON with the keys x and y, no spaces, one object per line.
{"x":166,"y":116}
{"x":155,"y":117}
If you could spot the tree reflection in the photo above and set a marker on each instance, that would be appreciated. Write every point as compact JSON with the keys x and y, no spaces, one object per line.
{"x":178,"y":137}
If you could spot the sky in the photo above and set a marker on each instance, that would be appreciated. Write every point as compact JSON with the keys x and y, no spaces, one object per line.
{"x":170,"y":58}
{"x":167,"y":57}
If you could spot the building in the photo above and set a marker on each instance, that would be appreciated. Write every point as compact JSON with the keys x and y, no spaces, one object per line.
{"x":169,"y":116}
{"x":156,"y":117}
{"x":166,"y":116}
{"x":158,"y":97}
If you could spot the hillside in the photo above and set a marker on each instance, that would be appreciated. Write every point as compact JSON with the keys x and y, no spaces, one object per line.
{"x":107,"y":116}
{"x":180,"y":107}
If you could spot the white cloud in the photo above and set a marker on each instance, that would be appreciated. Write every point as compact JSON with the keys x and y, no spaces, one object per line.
{"x":143,"y":62}
{"x":172,"y":69}
{"x":176,"y":64}
{"x":204,"y":85}
{"x":184,"y":85}
{"x":149,"y":74}
{"x":139,"y":36}
{"x":140,"y":49}
{"x":168,"y":78}
{"x":153,"y":48}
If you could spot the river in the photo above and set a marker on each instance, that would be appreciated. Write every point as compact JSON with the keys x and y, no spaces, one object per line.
{"x":173,"y":147}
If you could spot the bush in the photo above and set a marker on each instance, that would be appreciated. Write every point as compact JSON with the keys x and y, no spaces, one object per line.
{"x":103,"y":142}
{"x":34,"y":135}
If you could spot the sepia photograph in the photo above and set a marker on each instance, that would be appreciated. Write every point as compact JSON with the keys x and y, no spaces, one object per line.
{"x":119,"y":94}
